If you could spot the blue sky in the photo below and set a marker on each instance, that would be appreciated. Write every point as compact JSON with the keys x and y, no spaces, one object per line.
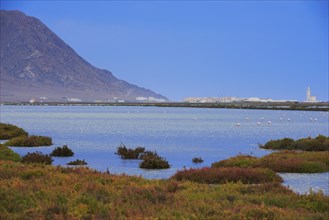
{"x":267,"y":49}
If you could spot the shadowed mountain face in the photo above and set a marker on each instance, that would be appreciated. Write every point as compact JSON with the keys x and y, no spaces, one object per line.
{"x":35,"y":63}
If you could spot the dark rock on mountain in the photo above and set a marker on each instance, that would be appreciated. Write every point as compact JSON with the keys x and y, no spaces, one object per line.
{"x":35,"y":63}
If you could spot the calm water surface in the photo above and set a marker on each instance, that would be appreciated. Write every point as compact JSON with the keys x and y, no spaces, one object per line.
{"x":178,"y":134}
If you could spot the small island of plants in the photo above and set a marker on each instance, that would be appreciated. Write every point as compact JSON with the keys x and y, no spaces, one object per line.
{"x":319,"y":143}
{"x":306,"y":155}
{"x":19,"y":138}
{"x":64,"y":151}
{"x":150,"y":159}
{"x":129,"y":153}
{"x":197,"y":160}
{"x":8,"y":131}
{"x":284,"y":161}
{"x":30,"y":141}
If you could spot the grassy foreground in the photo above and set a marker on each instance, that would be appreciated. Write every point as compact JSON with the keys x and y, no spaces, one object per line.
{"x":45,"y":192}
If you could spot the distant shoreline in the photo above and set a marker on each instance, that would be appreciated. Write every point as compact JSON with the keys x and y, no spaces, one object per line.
{"x":296,"y":106}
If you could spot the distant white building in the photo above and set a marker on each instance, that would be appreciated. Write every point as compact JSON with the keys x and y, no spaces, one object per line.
{"x":141,"y":98}
{"x":152,"y":99}
{"x":230,"y":99}
{"x":309,"y":97}
{"x":149,"y":99}
{"x":74,"y":100}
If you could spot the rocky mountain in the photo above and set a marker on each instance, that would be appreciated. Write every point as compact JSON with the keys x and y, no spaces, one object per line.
{"x":36,"y":63}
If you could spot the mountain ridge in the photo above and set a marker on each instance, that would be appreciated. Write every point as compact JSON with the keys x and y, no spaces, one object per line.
{"x":35,"y":62}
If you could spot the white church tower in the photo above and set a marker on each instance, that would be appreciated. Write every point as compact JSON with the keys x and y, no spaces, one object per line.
{"x":309,"y":97}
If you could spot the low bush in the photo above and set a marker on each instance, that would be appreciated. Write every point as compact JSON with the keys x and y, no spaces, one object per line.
{"x":151,"y":160}
{"x":77,"y":162}
{"x":8,"y":131}
{"x":228,"y":174}
{"x":129,"y":153}
{"x":37,"y":157}
{"x":31,"y":141}
{"x":62,"y":152}
{"x":197,"y":160}
{"x":319,"y":143}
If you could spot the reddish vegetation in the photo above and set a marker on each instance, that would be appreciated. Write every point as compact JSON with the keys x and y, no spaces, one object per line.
{"x":228,"y":174}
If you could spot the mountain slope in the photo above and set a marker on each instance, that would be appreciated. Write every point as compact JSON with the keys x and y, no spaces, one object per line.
{"x":35,"y":63}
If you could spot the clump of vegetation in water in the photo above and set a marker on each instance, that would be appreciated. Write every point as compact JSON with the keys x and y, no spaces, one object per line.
{"x":197,"y":160}
{"x":31,"y":141}
{"x":151,"y":160}
{"x":129,"y":153}
{"x":62,"y":152}
{"x":8,"y":154}
{"x":319,"y":143}
{"x":228,"y":174}
{"x":8,"y":131}
{"x":77,"y":162}
{"x":37,"y":157}
{"x":283,"y":161}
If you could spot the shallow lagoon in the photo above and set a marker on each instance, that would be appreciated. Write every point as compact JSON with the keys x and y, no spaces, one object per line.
{"x":178,"y":134}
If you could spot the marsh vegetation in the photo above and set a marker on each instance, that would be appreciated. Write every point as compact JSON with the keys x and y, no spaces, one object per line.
{"x":47,"y":192}
{"x":319,"y":143}
{"x":8,"y":131}
{"x":150,"y":159}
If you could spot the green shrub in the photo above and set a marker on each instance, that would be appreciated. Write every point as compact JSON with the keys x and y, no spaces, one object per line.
{"x":285,"y":143}
{"x":129,"y":153}
{"x":238,"y":161}
{"x":228,"y":174}
{"x":77,"y":162}
{"x":8,"y":131}
{"x":31,"y":141}
{"x":62,"y":152}
{"x":320,"y":143}
{"x":151,"y":160}
{"x":37,"y":157}
{"x":8,"y":154}
{"x":197,"y":160}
